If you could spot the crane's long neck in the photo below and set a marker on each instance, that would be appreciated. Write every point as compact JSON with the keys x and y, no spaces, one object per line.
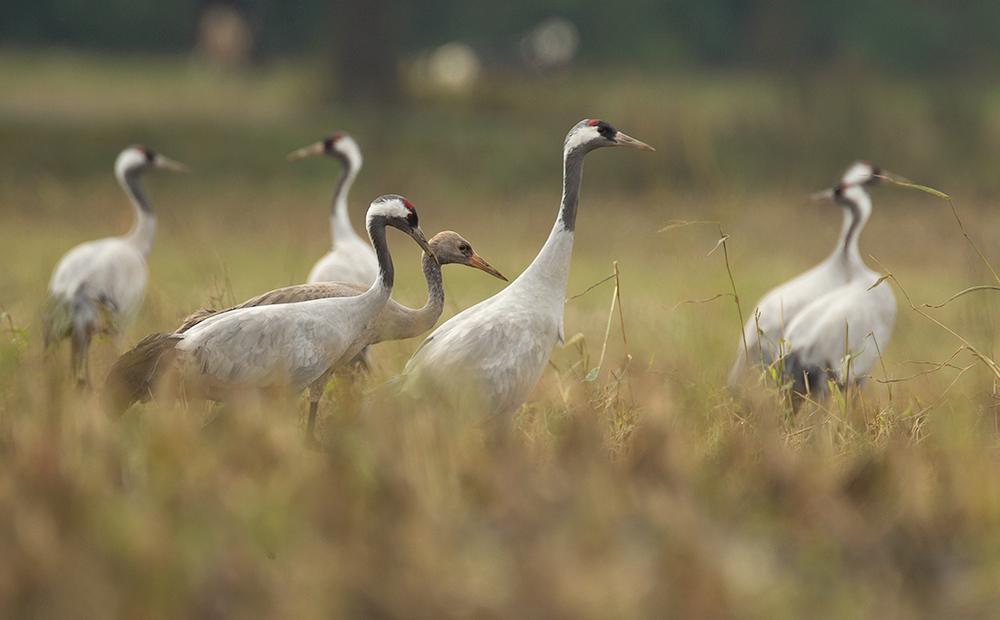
{"x":381,"y":289}
{"x":856,"y":213}
{"x":424,"y":319}
{"x":551,"y":266}
{"x":144,"y":229}
{"x":340,"y":223}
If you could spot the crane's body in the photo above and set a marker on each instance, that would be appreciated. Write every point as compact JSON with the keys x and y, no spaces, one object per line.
{"x":766,"y":332}
{"x":492,"y":355}
{"x":351,"y":258}
{"x":500,"y":346}
{"x":98,"y":286}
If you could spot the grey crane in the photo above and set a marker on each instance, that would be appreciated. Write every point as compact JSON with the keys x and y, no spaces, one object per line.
{"x":98,"y":286}
{"x":131,"y":382}
{"x":494,"y":353}
{"x":289,"y":345}
{"x":351,"y":258}
{"x":765,"y":333}
{"x":839,"y":335}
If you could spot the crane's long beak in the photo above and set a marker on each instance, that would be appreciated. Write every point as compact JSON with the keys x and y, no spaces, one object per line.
{"x":632,"y":143}
{"x":308,"y":151}
{"x":885,"y":175}
{"x":826,"y":194}
{"x":169,"y":164}
{"x":477,"y":261}
{"x":421,"y":239}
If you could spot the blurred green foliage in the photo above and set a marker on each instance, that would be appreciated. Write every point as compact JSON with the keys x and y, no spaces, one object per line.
{"x":938,"y":36}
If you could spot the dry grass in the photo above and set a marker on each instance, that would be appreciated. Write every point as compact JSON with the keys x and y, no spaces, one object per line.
{"x":647,"y":491}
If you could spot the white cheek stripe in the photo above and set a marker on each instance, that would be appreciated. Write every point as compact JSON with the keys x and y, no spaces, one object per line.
{"x":581,"y":136}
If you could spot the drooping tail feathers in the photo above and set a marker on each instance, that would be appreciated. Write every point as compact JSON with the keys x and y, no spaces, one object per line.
{"x":67,"y":316}
{"x":136,"y":373}
{"x":57,"y":320}
{"x":806,"y":379}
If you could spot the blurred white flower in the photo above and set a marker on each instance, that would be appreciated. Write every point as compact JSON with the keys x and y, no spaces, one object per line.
{"x":552,"y":44}
{"x":454,"y":67}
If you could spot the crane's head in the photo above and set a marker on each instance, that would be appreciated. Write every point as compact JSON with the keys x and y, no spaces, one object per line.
{"x":590,"y":134}
{"x":868,"y":174}
{"x":396,"y":211}
{"x":852,"y":196}
{"x":138,"y":158}
{"x":450,"y":247}
{"x":339,"y":145}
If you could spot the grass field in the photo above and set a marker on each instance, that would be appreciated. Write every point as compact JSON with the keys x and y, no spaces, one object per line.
{"x":648,"y":492}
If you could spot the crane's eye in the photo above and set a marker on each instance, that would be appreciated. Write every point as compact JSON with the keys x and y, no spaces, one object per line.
{"x":463,"y":248}
{"x":410,"y":216}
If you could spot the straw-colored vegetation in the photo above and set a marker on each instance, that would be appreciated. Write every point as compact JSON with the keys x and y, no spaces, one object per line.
{"x":646,"y":491}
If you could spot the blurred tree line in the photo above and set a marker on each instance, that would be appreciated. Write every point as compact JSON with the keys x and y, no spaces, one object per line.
{"x":365,"y":38}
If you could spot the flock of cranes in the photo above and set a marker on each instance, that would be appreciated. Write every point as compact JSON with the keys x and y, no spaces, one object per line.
{"x":826,"y":325}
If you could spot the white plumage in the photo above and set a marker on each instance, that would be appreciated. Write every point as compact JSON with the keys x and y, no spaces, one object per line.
{"x":493,"y":354}
{"x":98,"y":286}
{"x":351,"y":258}
{"x":765,"y":332}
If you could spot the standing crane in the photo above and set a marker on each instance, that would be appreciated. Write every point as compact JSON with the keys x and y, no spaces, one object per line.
{"x":764,"y":334}
{"x":134,"y":375}
{"x":290,"y":345}
{"x":351,"y":258}
{"x":98,"y":286}
{"x":496,"y":350}
{"x":839,"y":335}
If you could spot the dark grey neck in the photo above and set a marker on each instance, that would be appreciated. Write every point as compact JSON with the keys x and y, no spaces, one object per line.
{"x":133,"y":185}
{"x":572,"y":178}
{"x":376,"y":231}
{"x":853,"y":227}
{"x":435,"y":288}
{"x":341,"y":182}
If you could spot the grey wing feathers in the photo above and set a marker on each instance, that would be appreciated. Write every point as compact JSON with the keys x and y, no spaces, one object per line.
{"x":286,"y":295}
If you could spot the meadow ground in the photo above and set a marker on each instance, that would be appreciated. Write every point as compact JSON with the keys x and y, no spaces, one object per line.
{"x":648,"y":491}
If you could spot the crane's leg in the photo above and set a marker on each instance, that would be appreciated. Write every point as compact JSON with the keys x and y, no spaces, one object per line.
{"x":316,"y":389}
{"x":80,"y":345}
{"x":364,"y":360}
{"x":359,"y":364}
{"x":311,"y":424}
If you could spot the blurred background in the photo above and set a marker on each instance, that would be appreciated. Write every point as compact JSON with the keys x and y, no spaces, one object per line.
{"x":739,"y":88}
